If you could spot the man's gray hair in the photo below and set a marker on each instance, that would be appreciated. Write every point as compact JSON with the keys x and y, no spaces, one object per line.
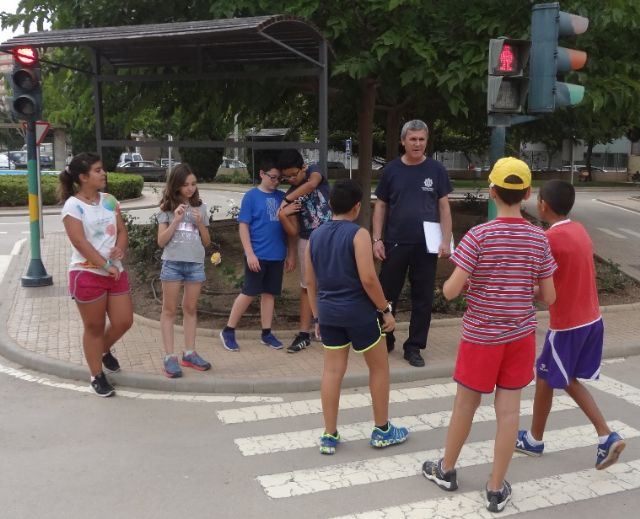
{"x":413,"y":126}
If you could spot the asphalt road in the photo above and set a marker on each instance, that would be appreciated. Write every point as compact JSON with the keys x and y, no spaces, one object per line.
{"x":68,"y":454}
{"x":615,"y":230}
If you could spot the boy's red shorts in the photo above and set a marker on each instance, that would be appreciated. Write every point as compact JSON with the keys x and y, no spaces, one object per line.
{"x":482,"y":368}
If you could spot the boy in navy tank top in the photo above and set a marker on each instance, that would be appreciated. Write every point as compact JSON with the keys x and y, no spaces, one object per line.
{"x":346,"y":298}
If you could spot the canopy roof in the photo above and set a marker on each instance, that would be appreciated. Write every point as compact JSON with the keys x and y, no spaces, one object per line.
{"x":272,"y":46}
{"x":259,"y":39}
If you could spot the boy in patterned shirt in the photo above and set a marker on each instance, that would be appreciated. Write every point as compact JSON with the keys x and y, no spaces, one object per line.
{"x":573,"y":345}
{"x":502,"y":265}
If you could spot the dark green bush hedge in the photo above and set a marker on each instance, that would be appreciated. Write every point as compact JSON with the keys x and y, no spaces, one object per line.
{"x":14,"y":190}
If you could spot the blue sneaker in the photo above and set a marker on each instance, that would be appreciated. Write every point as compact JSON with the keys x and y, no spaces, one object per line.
{"x":229,"y":340}
{"x":609,"y":451}
{"x":195,"y":361}
{"x":523,"y":445}
{"x":171,"y":366}
{"x":271,"y":341}
{"x":328,"y":443}
{"x":391,"y":436}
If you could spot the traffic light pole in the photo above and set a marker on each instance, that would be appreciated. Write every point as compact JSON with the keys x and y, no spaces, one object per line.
{"x":36,"y":275}
{"x":498,"y":143}
{"x":498,"y":124}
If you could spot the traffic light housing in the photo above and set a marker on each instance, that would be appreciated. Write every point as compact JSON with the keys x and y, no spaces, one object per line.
{"x":548,"y":59}
{"x":26,"y":83}
{"x":507,"y":81}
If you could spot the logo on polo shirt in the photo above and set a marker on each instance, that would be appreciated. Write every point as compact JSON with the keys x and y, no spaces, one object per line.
{"x":428,"y":184}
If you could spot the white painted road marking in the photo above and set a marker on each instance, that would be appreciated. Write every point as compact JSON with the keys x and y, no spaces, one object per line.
{"x":362,"y":472}
{"x":612,"y":233}
{"x":626,"y":392}
{"x":5,"y":259}
{"x":629,"y":231}
{"x":536,"y":494}
{"x":173,"y":397}
{"x":353,"y":401}
{"x":616,"y":206}
{"x":287,"y":441}
{"x":314,"y":406}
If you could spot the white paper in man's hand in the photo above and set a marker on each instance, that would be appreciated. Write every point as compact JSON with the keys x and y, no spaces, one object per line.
{"x":433,"y":237}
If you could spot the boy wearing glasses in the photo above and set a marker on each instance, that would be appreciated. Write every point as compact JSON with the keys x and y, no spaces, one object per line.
{"x":266,"y":255}
{"x":304,"y":208}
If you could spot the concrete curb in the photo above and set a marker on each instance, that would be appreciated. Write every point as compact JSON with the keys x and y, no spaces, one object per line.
{"x":15,"y":353}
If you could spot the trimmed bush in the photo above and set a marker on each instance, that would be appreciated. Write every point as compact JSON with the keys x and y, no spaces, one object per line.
{"x":14,"y":189}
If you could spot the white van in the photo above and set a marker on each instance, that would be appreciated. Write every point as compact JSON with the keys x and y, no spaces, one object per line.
{"x":129,"y":157}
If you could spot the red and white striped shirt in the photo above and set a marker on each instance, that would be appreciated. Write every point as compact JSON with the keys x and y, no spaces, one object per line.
{"x":505,"y":257}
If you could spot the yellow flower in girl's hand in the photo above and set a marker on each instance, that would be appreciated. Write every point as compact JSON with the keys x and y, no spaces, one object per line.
{"x":216,"y":258}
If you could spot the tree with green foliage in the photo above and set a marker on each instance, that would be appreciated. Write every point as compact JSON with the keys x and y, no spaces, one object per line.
{"x":392,"y":60}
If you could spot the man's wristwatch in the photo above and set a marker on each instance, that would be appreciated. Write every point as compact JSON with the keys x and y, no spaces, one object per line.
{"x":387,"y":309}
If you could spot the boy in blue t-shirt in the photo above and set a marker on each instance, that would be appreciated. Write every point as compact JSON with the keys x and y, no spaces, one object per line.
{"x":266,"y":254}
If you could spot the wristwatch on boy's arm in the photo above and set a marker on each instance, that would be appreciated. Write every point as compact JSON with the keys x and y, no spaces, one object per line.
{"x":387,"y":309}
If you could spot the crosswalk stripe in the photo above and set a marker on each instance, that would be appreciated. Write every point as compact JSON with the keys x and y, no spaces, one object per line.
{"x":612,"y":233}
{"x":287,"y":441}
{"x":353,"y":401}
{"x":536,"y":494}
{"x":314,"y":406}
{"x":626,"y":392}
{"x":5,"y":259}
{"x":629,"y":231}
{"x":309,"y":481}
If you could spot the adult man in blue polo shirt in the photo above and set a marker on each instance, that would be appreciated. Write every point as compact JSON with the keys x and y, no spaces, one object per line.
{"x":413,"y":189}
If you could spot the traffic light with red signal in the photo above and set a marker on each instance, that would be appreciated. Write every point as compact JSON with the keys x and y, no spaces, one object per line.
{"x":26,"y":82}
{"x":507,"y":84}
{"x":548,"y":59}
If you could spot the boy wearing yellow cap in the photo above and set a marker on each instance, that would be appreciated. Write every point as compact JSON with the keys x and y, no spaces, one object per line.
{"x":500,"y":265}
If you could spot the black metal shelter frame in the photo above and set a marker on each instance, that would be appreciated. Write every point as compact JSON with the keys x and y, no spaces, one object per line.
{"x":282,"y":46}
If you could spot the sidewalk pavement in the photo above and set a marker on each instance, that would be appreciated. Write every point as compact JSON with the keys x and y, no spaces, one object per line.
{"x":43,"y":331}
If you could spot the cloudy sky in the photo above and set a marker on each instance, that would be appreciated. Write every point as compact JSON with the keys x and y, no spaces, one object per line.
{"x":9,"y":6}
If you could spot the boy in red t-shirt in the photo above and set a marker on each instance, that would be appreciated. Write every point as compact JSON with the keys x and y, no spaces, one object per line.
{"x":499,"y":263}
{"x":573,"y":346}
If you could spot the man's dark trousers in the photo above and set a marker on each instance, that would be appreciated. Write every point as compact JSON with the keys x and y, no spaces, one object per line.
{"x":421,"y":266}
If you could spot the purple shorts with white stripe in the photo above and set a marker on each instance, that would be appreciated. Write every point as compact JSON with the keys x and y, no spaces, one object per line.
{"x":569,"y":354}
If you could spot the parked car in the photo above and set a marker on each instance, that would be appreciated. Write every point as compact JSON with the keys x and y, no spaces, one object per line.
{"x":19,"y":158}
{"x":129,"y":157}
{"x":6,"y":162}
{"x":232,"y":163}
{"x":378,"y":163}
{"x":582,"y":167}
{"x":46,"y":162}
{"x":145,"y":168}
{"x":166,"y":163}
{"x":334,"y":164}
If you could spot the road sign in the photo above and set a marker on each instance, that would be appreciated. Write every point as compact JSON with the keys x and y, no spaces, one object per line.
{"x":42,"y":128}
{"x":347,"y":147}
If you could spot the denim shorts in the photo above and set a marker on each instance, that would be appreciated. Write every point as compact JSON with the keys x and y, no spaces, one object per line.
{"x":184,"y":271}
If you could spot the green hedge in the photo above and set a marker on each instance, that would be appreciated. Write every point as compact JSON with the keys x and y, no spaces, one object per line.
{"x":14,"y":190}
